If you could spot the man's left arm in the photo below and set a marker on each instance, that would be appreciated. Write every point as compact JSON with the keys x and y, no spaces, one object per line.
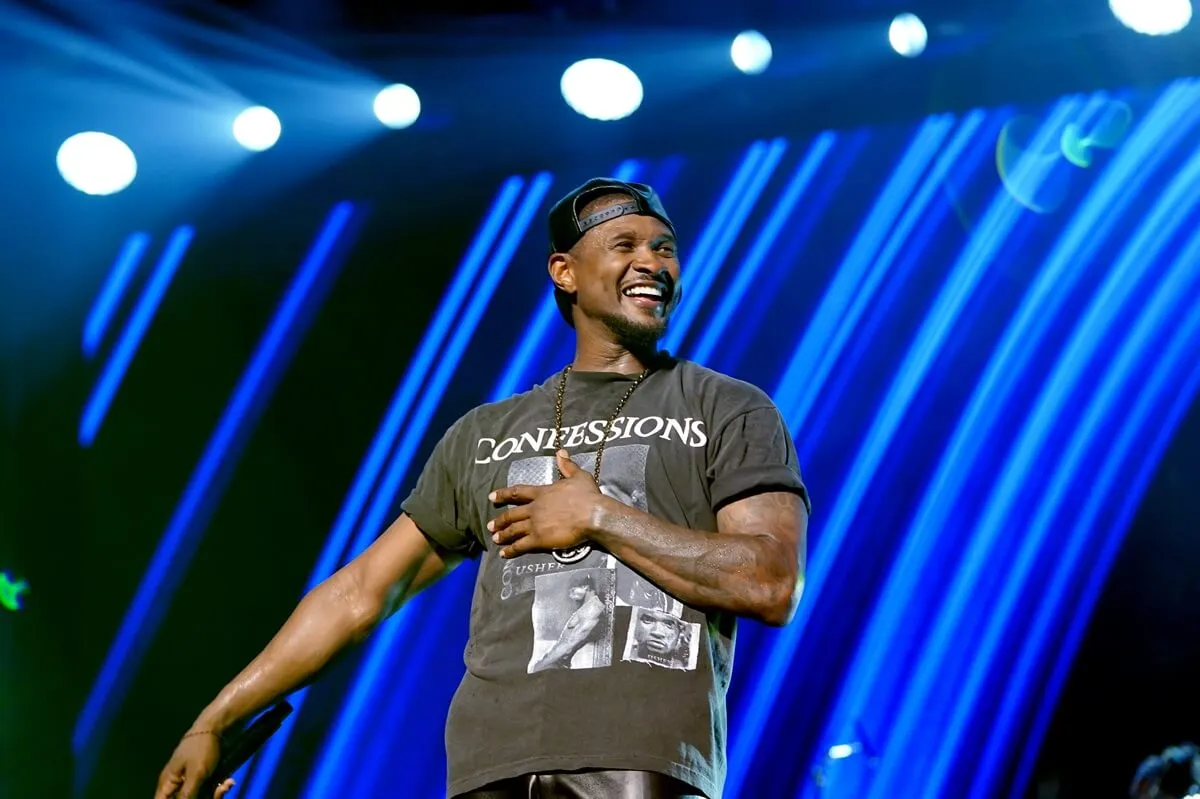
{"x":753,"y":565}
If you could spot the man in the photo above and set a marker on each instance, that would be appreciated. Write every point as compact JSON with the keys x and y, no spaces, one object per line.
{"x":712,"y":516}
{"x":661,"y":639}
{"x":577,"y":633}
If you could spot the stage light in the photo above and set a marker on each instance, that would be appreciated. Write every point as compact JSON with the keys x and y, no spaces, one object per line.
{"x":96,"y":163}
{"x":751,"y":52}
{"x":397,"y":106}
{"x":843,"y":751}
{"x":257,"y":128}
{"x":908,"y":35}
{"x":601,"y":89}
{"x":1153,"y":17}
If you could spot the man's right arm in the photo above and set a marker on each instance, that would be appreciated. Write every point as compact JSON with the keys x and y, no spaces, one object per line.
{"x":339,"y":612}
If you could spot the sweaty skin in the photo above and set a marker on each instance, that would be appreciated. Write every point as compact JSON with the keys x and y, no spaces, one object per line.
{"x":334,"y":616}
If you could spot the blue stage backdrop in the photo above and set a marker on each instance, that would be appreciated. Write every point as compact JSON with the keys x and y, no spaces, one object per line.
{"x":981,"y":329}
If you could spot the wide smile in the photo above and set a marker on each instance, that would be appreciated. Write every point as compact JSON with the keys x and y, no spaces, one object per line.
{"x":652,"y":297}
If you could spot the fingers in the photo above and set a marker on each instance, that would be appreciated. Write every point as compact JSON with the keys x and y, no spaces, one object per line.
{"x":521,"y":546}
{"x":168,"y":784}
{"x":190,"y":783}
{"x":512,"y":532}
{"x":508,"y":517}
{"x":224,"y":788}
{"x":515,"y":495}
{"x":565,"y":464}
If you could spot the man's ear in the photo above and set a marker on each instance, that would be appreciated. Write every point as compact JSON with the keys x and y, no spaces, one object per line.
{"x":562,"y":271}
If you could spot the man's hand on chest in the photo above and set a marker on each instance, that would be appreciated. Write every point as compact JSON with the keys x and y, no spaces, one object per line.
{"x":546,"y":518}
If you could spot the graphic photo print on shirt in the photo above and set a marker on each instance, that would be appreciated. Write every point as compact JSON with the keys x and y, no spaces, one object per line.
{"x":574,"y":597}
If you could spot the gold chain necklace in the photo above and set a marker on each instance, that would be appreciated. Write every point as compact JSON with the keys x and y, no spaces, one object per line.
{"x":578,"y":553}
{"x":558,"y":416}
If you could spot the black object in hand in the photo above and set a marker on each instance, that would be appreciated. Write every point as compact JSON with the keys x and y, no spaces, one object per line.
{"x":239,"y":747}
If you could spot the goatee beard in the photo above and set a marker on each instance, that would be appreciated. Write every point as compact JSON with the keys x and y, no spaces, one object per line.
{"x":640,"y":339}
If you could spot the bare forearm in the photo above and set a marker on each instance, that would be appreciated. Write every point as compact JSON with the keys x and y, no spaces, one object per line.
{"x":748,"y":575}
{"x":330,"y":618}
{"x":339,"y":612}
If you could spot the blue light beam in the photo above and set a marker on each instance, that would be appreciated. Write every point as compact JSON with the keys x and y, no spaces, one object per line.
{"x":719,"y":238}
{"x":810,"y":368}
{"x":979,"y":252}
{"x":110,"y":380}
{"x":1099,"y":502}
{"x":169,"y":563}
{"x":261,"y":769}
{"x":1141,"y":255}
{"x":449,"y":361}
{"x":331,"y":770}
{"x":1049,"y":291}
{"x":778,"y":653}
{"x":821,"y":329}
{"x":114,"y":288}
{"x":998,"y":224}
{"x":539,"y":326}
{"x":1052,"y":596}
{"x":743,"y":277}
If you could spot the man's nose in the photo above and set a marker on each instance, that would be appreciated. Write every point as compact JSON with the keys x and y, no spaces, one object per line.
{"x":653,"y":266}
{"x":647,"y":260}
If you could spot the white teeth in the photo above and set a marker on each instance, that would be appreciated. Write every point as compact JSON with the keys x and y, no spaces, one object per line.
{"x":643,"y":291}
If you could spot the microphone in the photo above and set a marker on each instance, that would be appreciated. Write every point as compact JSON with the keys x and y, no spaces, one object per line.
{"x":241,"y":746}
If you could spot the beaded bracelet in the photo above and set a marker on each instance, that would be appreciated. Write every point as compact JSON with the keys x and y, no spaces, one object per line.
{"x":201,"y":732}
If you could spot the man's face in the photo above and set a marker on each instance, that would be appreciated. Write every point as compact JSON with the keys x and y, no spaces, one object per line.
{"x":659,"y":634}
{"x":625,"y":273}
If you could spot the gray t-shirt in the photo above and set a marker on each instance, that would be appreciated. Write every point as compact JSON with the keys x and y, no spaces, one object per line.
{"x":575,"y":661}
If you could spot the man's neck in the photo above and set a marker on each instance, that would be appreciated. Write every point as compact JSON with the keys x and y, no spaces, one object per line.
{"x":607,"y":356}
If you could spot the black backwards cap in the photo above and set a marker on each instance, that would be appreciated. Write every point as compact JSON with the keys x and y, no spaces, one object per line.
{"x":566,"y":228}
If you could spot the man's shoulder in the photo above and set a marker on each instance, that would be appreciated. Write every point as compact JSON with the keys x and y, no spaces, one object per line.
{"x":724,"y":390}
{"x":484,"y":416}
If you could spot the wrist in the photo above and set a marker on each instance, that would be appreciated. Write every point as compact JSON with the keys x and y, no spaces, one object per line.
{"x":212,"y":720}
{"x":600,"y":521}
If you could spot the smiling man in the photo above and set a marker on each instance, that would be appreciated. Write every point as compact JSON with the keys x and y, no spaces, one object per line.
{"x":626,"y":512}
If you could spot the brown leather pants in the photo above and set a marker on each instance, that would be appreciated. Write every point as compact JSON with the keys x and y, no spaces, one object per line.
{"x":586,"y":785}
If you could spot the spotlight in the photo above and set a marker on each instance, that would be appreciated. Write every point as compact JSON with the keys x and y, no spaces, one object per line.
{"x":257,"y":128}
{"x":843,"y":751}
{"x":751,"y":52}
{"x":397,"y":106}
{"x":96,"y":163}
{"x":908,"y":35}
{"x":601,"y":89}
{"x":1153,"y":17}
